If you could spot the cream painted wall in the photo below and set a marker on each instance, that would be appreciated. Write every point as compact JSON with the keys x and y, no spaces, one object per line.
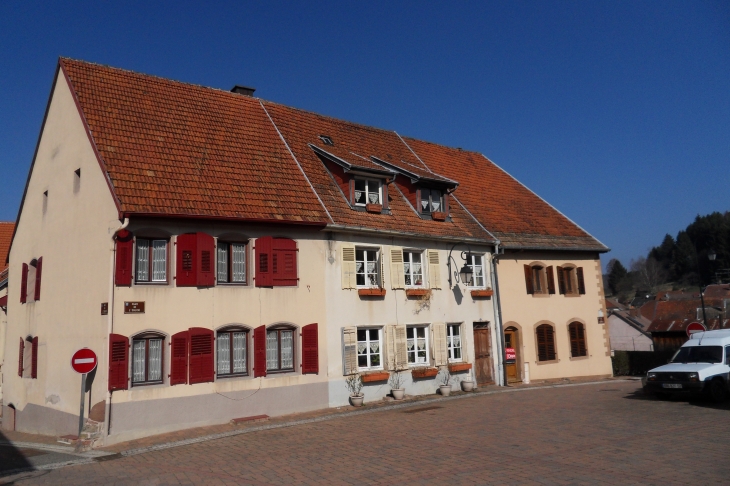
{"x":525,"y":311}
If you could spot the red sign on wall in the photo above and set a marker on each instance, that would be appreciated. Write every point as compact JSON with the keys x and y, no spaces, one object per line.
{"x":510,"y":356}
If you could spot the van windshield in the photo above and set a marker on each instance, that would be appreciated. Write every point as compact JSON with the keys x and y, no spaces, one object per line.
{"x":698,"y":354}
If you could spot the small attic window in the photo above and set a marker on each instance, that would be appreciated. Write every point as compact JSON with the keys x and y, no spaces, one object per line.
{"x":45,"y":202}
{"x":431,"y":201}
{"x":327,"y":140}
{"x":77,"y":180}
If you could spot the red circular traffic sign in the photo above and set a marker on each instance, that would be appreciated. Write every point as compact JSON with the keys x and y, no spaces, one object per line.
{"x":694,"y":327}
{"x":83,"y":361}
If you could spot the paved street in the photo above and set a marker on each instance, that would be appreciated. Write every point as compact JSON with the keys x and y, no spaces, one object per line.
{"x":601,"y":433}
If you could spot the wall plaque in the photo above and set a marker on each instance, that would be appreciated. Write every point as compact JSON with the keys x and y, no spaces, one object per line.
{"x":104,"y":308}
{"x":134,"y":307}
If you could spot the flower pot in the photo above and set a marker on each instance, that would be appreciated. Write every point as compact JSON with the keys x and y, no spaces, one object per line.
{"x":445,"y":390}
{"x":424,"y":372}
{"x":467,"y":386}
{"x":438,"y":216}
{"x":356,"y":401}
{"x":374,"y":208}
{"x":398,"y":393}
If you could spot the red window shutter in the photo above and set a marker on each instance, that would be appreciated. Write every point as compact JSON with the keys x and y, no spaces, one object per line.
{"x":264,"y":263}
{"x":581,"y":281}
{"x":385,"y":196}
{"x":201,"y":355}
{"x":34,"y":355}
{"x":551,"y":279}
{"x":352,"y":192}
{"x":24,"y":285}
{"x":206,"y":251}
{"x":528,"y":279}
{"x":118,"y":362}
{"x":179,"y":359}
{"x":284,"y":262}
{"x":259,"y":351}
{"x":20,"y":357}
{"x":123,"y":272}
{"x":310,"y":349}
{"x":187,"y":261}
{"x":38,"y":269}
{"x":561,"y":281}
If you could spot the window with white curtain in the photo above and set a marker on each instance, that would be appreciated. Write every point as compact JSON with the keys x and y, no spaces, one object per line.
{"x":476,"y":263}
{"x":417,"y":345}
{"x":280,"y":349}
{"x":369,"y":348}
{"x":453,"y":341}
{"x":413,"y":268}
{"x":231,"y":262}
{"x":151,"y":260}
{"x":232,"y":350}
{"x":367,"y":268}
{"x":147,"y":359}
{"x":367,"y":191}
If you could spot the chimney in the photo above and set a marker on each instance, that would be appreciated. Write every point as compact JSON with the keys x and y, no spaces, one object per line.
{"x":243,"y":90}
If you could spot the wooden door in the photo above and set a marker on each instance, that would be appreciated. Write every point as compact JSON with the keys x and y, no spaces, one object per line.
{"x":482,"y":356}
{"x":511,"y":349}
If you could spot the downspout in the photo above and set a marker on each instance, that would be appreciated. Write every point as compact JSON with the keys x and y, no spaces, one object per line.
{"x":110,"y":317}
{"x":502,"y":356}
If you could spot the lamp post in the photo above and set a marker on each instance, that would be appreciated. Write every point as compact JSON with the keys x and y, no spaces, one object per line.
{"x":466,"y":272}
{"x":711,"y":256}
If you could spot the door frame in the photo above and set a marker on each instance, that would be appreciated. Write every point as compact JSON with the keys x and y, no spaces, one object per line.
{"x":519,"y":348}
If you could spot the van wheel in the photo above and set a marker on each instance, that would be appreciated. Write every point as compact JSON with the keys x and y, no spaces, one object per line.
{"x":718,"y":391}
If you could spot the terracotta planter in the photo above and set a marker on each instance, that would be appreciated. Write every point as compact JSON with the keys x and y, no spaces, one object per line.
{"x":374,"y":208}
{"x":456,"y":367}
{"x":445,"y":390}
{"x":356,"y":401}
{"x":477,"y":294}
{"x":424,"y":372}
{"x":438,"y":216}
{"x":371,"y":292}
{"x":467,"y":386}
{"x":398,"y":393}
{"x":377,"y":376}
{"x":417,"y":292}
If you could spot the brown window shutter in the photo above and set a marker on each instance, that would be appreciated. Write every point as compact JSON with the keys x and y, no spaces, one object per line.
{"x":581,"y":340}
{"x":264,"y":262}
{"x":206,"y":259}
{"x":38,"y":270}
{"x":202,"y":368}
{"x":259,"y":351}
{"x":385,"y":195}
{"x":528,"y":279}
{"x":581,"y":281}
{"x":310,"y":349}
{"x":123,"y":270}
{"x":550,"y":338}
{"x":118,"y":362}
{"x":545,"y":343}
{"x":573,"y":339}
{"x":352,"y":192}
{"x":34,"y":357}
{"x":284,"y":262}
{"x":20,"y":357}
{"x":24,"y":284}
{"x":561,"y":281}
{"x":551,"y":279}
{"x":187,"y":260}
{"x":179,"y":358}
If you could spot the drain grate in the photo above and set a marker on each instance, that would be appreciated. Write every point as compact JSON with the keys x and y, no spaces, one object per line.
{"x":422,"y":409}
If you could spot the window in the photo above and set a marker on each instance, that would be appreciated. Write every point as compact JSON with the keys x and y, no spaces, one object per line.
{"x":147,"y":352}
{"x":413,"y":268}
{"x":369,"y":349}
{"x":279,"y":350}
{"x":577,"y":339}
{"x":367,"y":191}
{"x":417,"y":345}
{"x":232,"y":352}
{"x":152,"y":260}
{"x":545,"y":342}
{"x":366,"y":268}
{"x":453,"y":341}
{"x":539,"y":279}
{"x":231,"y":262}
{"x":326,"y":140}
{"x":476,"y":263}
{"x":570,"y":280}
{"x":431,"y":201}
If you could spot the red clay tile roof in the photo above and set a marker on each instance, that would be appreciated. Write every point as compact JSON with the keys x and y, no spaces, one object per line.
{"x":675,"y":315}
{"x":6,"y":234}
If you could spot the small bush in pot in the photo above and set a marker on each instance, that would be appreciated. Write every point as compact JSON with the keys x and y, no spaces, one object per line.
{"x":444,"y":380}
{"x":354,"y":385}
{"x":396,"y":385}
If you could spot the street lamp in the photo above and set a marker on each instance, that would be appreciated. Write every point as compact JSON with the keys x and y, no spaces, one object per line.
{"x":711,"y":256}
{"x":466,"y":272}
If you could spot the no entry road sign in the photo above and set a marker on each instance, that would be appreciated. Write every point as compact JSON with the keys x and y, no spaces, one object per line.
{"x":83,"y":361}
{"x":694,"y":327}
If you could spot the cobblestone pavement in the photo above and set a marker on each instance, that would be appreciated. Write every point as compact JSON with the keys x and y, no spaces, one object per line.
{"x":590,"y":434}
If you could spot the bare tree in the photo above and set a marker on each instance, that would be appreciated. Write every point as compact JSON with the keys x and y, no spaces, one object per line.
{"x":649,"y":273}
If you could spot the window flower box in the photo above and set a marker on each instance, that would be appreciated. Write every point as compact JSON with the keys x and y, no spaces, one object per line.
{"x":438,"y":216}
{"x":377,"y":292}
{"x":374,"y":208}
{"x":424,"y":372}
{"x":417,"y":292}
{"x":482,"y":293}
{"x":375,"y":376}
{"x":456,"y":367}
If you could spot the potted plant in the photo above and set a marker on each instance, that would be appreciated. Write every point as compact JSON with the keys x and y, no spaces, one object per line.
{"x":445,"y":381}
{"x":467,"y":384}
{"x":396,"y":385}
{"x":354,"y":385}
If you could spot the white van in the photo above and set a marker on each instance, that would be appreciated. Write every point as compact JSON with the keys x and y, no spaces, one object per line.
{"x":702,"y":364}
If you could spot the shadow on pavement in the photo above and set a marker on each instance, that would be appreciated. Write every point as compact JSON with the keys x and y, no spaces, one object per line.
{"x":696,"y":401}
{"x":12,"y":458}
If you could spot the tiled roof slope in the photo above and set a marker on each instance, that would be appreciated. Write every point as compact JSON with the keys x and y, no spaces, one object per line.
{"x":6,"y":234}
{"x":510,"y":211}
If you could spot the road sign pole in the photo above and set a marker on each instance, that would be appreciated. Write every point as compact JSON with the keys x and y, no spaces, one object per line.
{"x":81,"y":411}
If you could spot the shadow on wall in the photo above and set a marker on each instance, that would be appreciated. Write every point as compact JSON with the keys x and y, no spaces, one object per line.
{"x":12,"y":458}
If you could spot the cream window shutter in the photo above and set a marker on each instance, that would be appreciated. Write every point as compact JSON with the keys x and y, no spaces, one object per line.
{"x":349,"y":348}
{"x":381,"y":278}
{"x":390,"y":353}
{"x":434,"y":270}
{"x":397,"y":273}
{"x":401,"y":351}
{"x":347,"y":253}
{"x":440,"y":353}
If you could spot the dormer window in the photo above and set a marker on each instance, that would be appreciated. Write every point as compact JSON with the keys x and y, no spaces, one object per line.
{"x":367,"y":191}
{"x":327,"y":140}
{"x":432,"y":201}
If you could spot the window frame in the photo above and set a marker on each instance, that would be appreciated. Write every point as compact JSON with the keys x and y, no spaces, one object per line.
{"x":367,"y":191}
{"x":278,"y":330}
{"x":367,"y":330}
{"x":449,"y":343}
{"x":427,"y":331}
{"x":147,"y":337}
{"x":428,"y":209}
{"x":150,"y":261}
{"x":230,"y":330}
{"x":229,"y":270}
{"x":409,"y":273}
{"x":378,"y":269}
{"x":473,"y":269}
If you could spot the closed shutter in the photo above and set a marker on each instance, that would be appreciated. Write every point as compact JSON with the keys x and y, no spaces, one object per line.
{"x":551,"y":280}
{"x":401,"y":351}
{"x":263,"y":276}
{"x":205,"y":249}
{"x":349,"y":280}
{"x":24,"y":284}
{"x":284,"y":262}
{"x":561,"y":281}
{"x":34,"y":358}
{"x":123,"y":270}
{"x":577,"y":340}
{"x":545,"y":343}
{"x":397,"y":272}
{"x":20,"y":357}
{"x":179,"y":358}
{"x":349,"y":350}
{"x":259,"y":350}
{"x":201,"y":366}
{"x":38,"y":270}
{"x":310,"y":349}
{"x":186,"y":275}
{"x":440,"y":353}
{"x":434,"y":271}
{"x":528,"y":279}
{"x":118,"y":362}
{"x":581,"y":281}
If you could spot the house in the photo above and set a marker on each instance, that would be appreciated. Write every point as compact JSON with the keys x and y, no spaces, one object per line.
{"x":229,"y":257}
{"x":6,"y":233}
{"x":629,"y":331}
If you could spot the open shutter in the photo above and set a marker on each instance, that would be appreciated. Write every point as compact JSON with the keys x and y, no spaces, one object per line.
{"x":205,"y":249}
{"x":201,"y":367}
{"x":401,"y":352}
{"x":551,"y":280}
{"x":561,"y":281}
{"x":385,"y":196}
{"x":38,"y":269}
{"x":118,"y":362}
{"x":24,"y":285}
{"x":389,"y":351}
{"x":186,"y":275}
{"x":263,"y":277}
{"x":310,"y":349}
{"x":397,"y":272}
{"x":123,"y":269}
{"x":434,"y":271}
{"x":34,"y":358}
{"x":528,"y":279}
{"x":349,"y":348}
{"x":440,"y":353}
{"x":581,"y":281}
{"x":20,"y":357}
{"x":259,"y":351}
{"x":349,"y":280}
{"x":284,"y":262}
{"x":179,"y":358}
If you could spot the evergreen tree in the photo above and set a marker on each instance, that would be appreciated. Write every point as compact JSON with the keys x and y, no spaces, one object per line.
{"x":616,"y":275}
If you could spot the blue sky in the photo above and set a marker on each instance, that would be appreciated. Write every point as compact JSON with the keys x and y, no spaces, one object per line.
{"x":617,"y":113}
